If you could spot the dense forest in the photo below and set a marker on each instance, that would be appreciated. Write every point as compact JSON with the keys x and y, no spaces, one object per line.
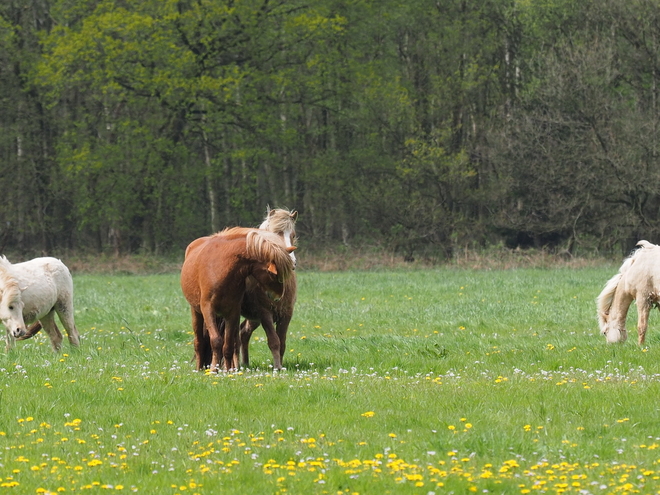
{"x":421,"y":126}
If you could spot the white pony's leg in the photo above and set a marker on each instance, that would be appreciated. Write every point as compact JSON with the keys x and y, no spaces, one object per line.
{"x":65,"y":312}
{"x":51,"y":329}
{"x":643,"y":310}
{"x":9,"y":341}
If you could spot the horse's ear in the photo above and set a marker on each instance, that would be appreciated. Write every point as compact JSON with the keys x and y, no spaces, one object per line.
{"x":270,"y":212}
{"x":272,"y":268}
{"x":294,"y":215}
{"x":291,"y":249}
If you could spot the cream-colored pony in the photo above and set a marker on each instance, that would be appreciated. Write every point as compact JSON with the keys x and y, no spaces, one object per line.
{"x":638,"y":279}
{"x":34,"y":291}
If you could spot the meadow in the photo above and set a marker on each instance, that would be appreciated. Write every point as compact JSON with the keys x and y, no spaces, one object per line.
{"x":400,"y":381}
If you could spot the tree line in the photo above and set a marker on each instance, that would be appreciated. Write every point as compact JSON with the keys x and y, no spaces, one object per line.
{"x":421,"y":126}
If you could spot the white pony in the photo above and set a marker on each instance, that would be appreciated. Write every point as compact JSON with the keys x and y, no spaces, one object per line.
{"x":34,"y":291}
{"x":638,"y":279}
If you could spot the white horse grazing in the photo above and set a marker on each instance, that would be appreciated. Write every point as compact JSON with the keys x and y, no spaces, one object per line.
{"x":34,"y":291}
{"x":638,"y":279}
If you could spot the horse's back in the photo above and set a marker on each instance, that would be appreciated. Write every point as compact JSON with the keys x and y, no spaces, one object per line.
{"x":207,"y":260}
{"x":207,"y":251}
{"x":194,"y":245}
{"x":45,"y":284}
{"x":45,"y":268}
{"x":643,"y":270}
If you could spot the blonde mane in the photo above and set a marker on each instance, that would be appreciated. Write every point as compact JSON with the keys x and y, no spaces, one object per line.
{"x":233,"y":232}
{"x":263,"y":246}
{"x":8,"y":283}
{"x":266,"y":247}
{"x":279,"y":221}
{"x":606,"y":297}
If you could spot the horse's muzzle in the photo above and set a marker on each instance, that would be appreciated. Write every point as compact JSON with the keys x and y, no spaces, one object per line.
{"x":18,"y":332}
{"x":616,"y":335}
{"x":273,"y":297}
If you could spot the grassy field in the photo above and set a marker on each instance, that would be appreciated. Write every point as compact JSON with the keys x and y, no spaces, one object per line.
{"x":415,"y":382}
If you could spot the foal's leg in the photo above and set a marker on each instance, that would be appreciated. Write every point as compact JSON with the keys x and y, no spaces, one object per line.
{"x":274,"y":343}
{"x":48,"y":322}
{"x":643,"y":310}
{"x":282,"y":329}
{"x":65,"y":312}
{"x":247,"y":327}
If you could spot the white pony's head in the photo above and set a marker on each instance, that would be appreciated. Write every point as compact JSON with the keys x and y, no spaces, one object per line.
{"x":614,"y":334}
{"x":11,"y":304}
{"x":282,"y":222}
{"x":613,"y":330}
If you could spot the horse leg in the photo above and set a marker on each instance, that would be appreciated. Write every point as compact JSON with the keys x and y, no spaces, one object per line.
{"x":9,"y":341}
{"x":232,"y":322}
{"x":274,"y":343}
{"x":220,"y":324}
{"x":247,"y":328}
{"x":65,"y":312}
{"x":206,"y":354}
{"x":49,"y":325}
{"x":643,"y":310}
{"x":201,"y":343}
{"x":214,"y":336}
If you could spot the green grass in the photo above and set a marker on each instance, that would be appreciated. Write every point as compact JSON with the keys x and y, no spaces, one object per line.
{"x":396,"y":382}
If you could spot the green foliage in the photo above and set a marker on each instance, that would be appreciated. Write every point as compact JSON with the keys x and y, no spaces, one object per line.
{"x":423,"y":126}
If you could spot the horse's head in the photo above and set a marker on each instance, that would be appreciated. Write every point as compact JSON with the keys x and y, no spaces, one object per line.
{"x":11,"y":311}
{"x":283,"y":223}
{"x":614,"y":333}
{"x":289,"y":240}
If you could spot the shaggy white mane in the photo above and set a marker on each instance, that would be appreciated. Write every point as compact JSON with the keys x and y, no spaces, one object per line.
{"x":8,"y":283}
{"x":280,"y":221}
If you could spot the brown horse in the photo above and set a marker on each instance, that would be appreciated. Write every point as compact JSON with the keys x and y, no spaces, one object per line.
{"x":213,"y":281}
{"x":261,"y":310}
